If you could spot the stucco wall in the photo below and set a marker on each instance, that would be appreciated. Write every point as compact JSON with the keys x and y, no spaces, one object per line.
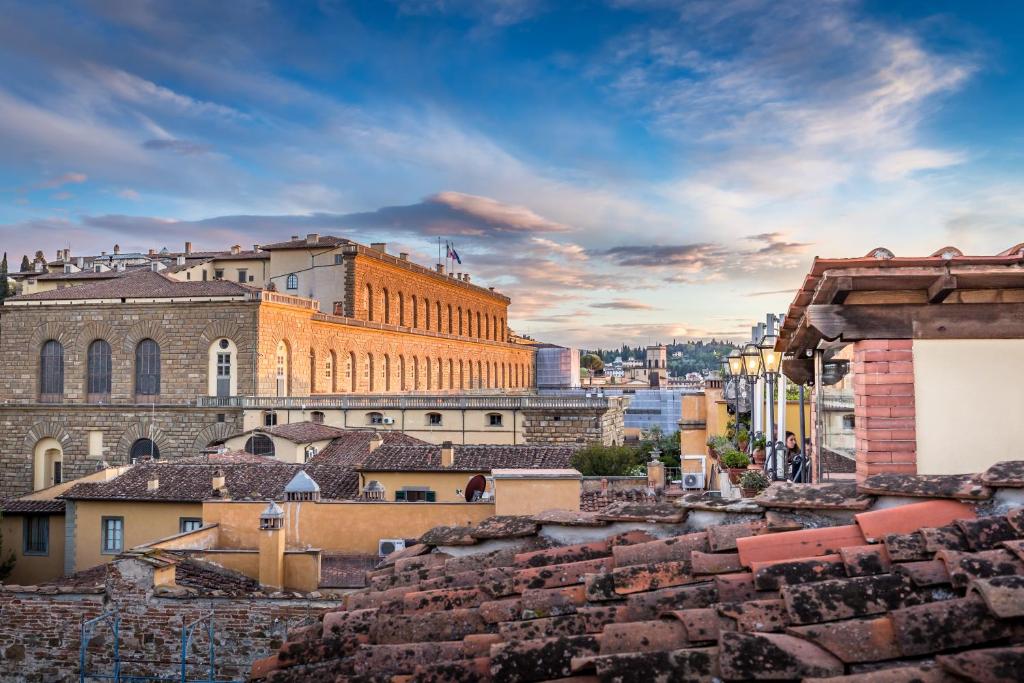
{"x":343,"y":527}
{"x":530,"y":496}
{"x":30,"y":570}
{"x":443,"y":484}
{"x":143,"y":522}
{"x":969,"y":397}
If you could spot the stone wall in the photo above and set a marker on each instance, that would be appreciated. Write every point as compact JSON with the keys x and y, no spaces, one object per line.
{"x":40,"y":631}
{"x":575,"y":426}
{"x":178,"y":431}
{"x":376,"y":358}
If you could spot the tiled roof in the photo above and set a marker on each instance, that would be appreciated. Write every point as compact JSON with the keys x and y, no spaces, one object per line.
{"x":304,"y":432}
{"x":688,"y":591}
{"x":468,"y":458}
{"x":85,"y":275}
{"x":27,"y":506}
{"x":142,"y":284}
{"x":324,"y":241}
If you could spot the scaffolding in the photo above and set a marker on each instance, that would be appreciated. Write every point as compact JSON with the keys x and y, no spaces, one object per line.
{"x":113,"y":619}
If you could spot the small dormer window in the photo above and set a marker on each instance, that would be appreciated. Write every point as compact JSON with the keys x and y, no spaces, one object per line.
{"x":493,"y":419}
{"x":434,"y":419}
{"x":375,"y":418}
{"x":310,"y":452}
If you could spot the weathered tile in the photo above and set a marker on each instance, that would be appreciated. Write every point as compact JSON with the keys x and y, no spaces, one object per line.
{"x":538,"y":660}
{"x":409,"y":551}
{"x":674,"y":548}
{"x":722,"y":537}
{"x":773,"y":656}
{"x":562,"y":554}
{"x":427,"y":627}
{"x":861,"y":596}
{"x":764,"y":616}
{"x":404,"y":658}
{"x":653,"y":604}
{"x":770,"y":576}
{"x":475,"y":670}
{"x":658,"y":512}
{"x":569,"y":518}
{"x":853,"y":640}
{"x":1007,"y":474}
{"x":643,"y":636}
{"x":697,"y":665}
{"x":963,"y":567}
{"x":443,"y":599}
{"x":649,"y":577}
{"x":823,"y":496}
{"x":915,"y":673}
{"x":945,"y":625}
{"x":560,"y":574}
{"x":906,"y":547}
{"x":956,"y":486}
{"x":877,"y":524}
{"x":986,"y":533}
{"x":994,"y":665}
{"x":793,"y":545}
{"x":924,"y":573}
{"x":865,"y":560}
{"x":504,"y":526}
{"x":449,"y":535}
{"x":738,"y":587}
{"x":702,"y":624}
{"x":714,"y":563}
{"x":1004,"y":595}
{"x":947,"y":537}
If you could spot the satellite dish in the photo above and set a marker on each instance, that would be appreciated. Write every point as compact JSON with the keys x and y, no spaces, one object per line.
{"x":475,"y":488}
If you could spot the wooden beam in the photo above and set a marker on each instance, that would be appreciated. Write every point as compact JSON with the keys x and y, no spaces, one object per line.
{"x":916,"y":321}
{"x":799,"y":370}
{"x":833,"y":289}
{"x":943,"y":286}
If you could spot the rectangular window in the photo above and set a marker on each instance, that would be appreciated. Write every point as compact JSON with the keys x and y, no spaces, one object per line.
{"x":204,"y":276}
{"x":243,"y":276}
{"x":95,"y":444}
{"x":218,"y":274}
{"x":337,"y":259}
{"x":37,"y":535}
{"x":186,"y":524}
{"x":494,"y":420}
{"x":113,"y":535}
{"x":433,"y":419}
{"x":416,"y":496}
{"x":57,"y":478}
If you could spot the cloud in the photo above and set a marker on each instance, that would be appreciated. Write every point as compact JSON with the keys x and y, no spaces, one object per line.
{"x":691,"y":257}
{"x":624,"y":305}
{"x":906,"y":162}
{"x":185,"y":147}
{"x":72,"y":178}
{"x":138,"y":90}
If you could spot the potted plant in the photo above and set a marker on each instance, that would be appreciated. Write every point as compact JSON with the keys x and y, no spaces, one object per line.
{"x":735,"y":463}
{"x":759,"y":449}
{"x":752,"y":482}
{"x":717,"y":444}
{"x":742,"y":438}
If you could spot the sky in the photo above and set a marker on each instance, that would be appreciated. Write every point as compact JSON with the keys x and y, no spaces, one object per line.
{"x":629,"y":171}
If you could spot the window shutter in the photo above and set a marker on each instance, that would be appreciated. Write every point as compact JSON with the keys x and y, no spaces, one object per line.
{"x":399,"y":496}
{"x":431,"y":497}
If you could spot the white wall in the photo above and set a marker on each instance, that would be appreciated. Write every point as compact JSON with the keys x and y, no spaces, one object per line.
{"x":969,"y":396}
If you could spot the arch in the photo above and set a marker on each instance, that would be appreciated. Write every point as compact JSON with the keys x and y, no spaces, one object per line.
{"x":282,"y":368}
{"x":55,"y":331}
{"x":141,"y":430}
{"x":401,"y":373}
{"x":462,"y":375}
{"x":51,"y":371}
{"x":47,"y":463}
{"x":317,"y":417}
{"x":401,"y":309}
{"x":437,"y":307}
{"x":225,"y":329}
{"x":369,"y":302}
{"x":143,"y":448}
{"x":212,"y":434}
{"x":469,"y":372}
{"x":478,"y":328}
{"x":387,"y":305}
{"x":387,"y":372}
{"x":504,"y":381}
{"x":460,"y":320}
{"x":415,"y":373}
{"x":260,"y":444}
{"x":371,"y":385}
{"x":147,"y":329}
{"x":291,"y":282}
{"x":451,"y":374}
{"x":331,"y":371}
{"x":415,"y":312}
{"x":449,"y":318}
{"x":350,"y":370}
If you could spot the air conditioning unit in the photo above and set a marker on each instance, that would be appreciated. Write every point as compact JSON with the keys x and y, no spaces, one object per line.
{"x":693,"y":480}
{"x":386,"y":546}
{"x":387,"y":420}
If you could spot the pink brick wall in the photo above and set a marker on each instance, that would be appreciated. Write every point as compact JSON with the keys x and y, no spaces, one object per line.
{"x":883,"y":388}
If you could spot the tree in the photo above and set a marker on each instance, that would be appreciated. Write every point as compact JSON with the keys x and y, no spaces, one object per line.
{"x":668,"y":444}
{"x":597,"y":460}
{"x":26,"y":266}
{"x":5,"y":287}
{"x":592,"y":362}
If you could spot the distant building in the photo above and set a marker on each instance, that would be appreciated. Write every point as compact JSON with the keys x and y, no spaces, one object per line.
{"x":657,"y":365}
{"x":558,"y":367}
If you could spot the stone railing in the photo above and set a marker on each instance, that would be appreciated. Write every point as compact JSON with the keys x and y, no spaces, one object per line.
{"x":436,"y":402}
{"x":285,"y":299}
{"x":840,"y":400}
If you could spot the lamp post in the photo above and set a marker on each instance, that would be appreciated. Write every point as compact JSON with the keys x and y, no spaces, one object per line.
{"x":771,"y":360}
{"x":735,"y":364}
{"x":751,"y":358}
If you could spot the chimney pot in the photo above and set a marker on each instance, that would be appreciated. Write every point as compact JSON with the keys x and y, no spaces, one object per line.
{"x":81,"y":262}
{"x":447,"y":454}
{"x":236,"y":248}
{"x":295,"y":237}
{"x":313,"y":238}
{"x":117,"y":248}
{"x":153,"y":484}
{"x":255,"y":247}
{"x":465,"y":277}
{"x":218,"y":480}
{"x":376,"y":441}
{"x":403,"y":255}
{"x":379,"y":246}
{"x":188,"y":247}
{"x":440,"y":268}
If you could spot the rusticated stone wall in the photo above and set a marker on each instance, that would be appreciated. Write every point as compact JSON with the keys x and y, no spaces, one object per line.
{"x":575,"y":426}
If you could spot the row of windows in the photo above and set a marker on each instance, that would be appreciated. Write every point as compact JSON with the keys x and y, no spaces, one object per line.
{"x":433,"y":419}
{"x":464,"y":323}
{"x":36,"y":533}
{"x":99,"y":370}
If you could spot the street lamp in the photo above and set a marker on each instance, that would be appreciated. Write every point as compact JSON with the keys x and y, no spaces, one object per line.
{"x":771,"y":361}
{"x":750,"y":358}
{"x":735,"y":363}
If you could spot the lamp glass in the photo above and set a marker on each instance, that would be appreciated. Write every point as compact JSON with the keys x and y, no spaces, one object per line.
{"x":770,"y":360}
{"x":735,"y":363}
{"x":726,"y":370}
{"x":751,"y":360}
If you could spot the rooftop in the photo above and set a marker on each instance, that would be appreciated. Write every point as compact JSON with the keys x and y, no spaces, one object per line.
{"x":142,"y":284}
{"x":900,"y":580}
{"x":469,"y":458}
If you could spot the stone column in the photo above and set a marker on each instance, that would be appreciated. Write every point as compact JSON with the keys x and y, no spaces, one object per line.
{"x":883,"y":388}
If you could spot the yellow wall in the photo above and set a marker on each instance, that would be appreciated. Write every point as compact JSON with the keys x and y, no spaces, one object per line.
{"x":530,"y":496}
{"x":302,"y":570}
{"x":143,"y":522}
{"x":444,"y":484}
{"x":245,"y":561}
{"x":348,"y":527}
{"x":968,"y":396}
{"x":30,"y":570}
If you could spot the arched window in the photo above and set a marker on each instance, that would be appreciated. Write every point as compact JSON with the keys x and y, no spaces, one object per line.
{"x":401,"y":309}
{"x":401,"y":373}
{"x":147,"y":368}
{"x":430,"y":373}
{"x":479,"y":375}
{"x":503,"y":330}
{"x":387,"y":372}
{"x":329,"y":372}
{"x":438,"y":310}
{"x":47,"y":463}
{"x":451,"y":374}
{"x":415,"y":312}
{"x":415,"y":373}
{"x":449,"y":318}
{"x":460,"y":320}
{"x":312,"y":371}
{"x":374,"y":419}
{"x":260,"y":444}
{"x":487,"y":327}
{"x":51,"y":371}
{"x":462,"y":375}
{"x":426,"y":313}
{"x":292,"y":281}
{"x":369,"y":302}
{"x":316,"y":417}
{"x":387,"y":306}
{"x":144,"y":448}
{"x":478,"y":328}
{"x":223,"y":363}
{"x":98,"y":370}
{"x":469,"y":365}
{"x":351,"y":370}
{"x":370,"y":384}
{"x":487,"y":368}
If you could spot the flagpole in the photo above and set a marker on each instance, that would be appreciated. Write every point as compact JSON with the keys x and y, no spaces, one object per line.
{"x":438,"y":250}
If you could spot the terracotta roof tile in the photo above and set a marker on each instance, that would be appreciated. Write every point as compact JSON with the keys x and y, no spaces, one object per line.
{"x":562,"y":554}
{"x":994,"y":665}
{"x":854,"y":640}
{"x":674,"y":548}
{"x":506,"y":526}
{"x":865,"y":560}
{"x":468,"y":458}
{"x":825,"y":496}
{"x":144,"y":284}
{"x":663,"y":512}
{"x":301,"y":243}
{"x":791,"y":545}
{"x":772,"y":575}
{"x":1004,"y":595}
{"x":560,"y":574}
{"x":715,"y":563}
{"x":861,"y":596}
{"x":876,"y":524}
{"x":986,"y":533}
{"x":958,"y":486}
{"x":653,"y":604}
{"x":963,"y":567}
{"x":648,"y":577}
{"x":538,"y":660}
{"x":945,"y":625}
{"x":644,"y":636}
{"x":1009,"y":473}
{"x":923,"y":673}
{"x":702,"y":624}
{"x":773,"y":656}
{"x":690,"y":664}
{"x":906,"y":547}
{"x":925,"y":572}
{"x":723,"y":537}
{"x":28,"y":506}
{"x":947,"y":537}
{"x":762,"y":616}
{"x":569,"y":518}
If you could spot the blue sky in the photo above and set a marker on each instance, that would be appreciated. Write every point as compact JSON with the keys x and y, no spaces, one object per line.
{"x":627,"y":171}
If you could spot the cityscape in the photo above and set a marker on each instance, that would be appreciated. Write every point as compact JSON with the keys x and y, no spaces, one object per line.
{"x":329,"y":355}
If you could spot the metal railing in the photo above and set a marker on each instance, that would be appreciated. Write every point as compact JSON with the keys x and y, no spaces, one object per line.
{"x":408,"y":402}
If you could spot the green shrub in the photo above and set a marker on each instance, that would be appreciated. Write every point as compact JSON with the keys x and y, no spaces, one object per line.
{"x":733,"y":459}
{"x":597,"y":460}
{"x":754,"y":479}
{"x":759,"y":441}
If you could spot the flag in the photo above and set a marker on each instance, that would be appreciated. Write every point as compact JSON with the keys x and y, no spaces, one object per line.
{"x":452,"y":254}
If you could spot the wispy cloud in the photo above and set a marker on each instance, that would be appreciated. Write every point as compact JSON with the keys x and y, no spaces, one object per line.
{"x":624,"y":305}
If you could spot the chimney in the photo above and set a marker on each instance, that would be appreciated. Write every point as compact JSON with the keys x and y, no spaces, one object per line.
{"x":440,"y":268}
{"x":255,"y":247}
{"x":465,"y":277}
{"x":180,"y":260}
{"x":117,"y":248}
{"x":272,"y":545}
{"x":81,"y":262}
{"x":119,"y":267}
{"x":188,"y":247}
{"x":237,"y":248}
{"x":103,"y":253}
{"x":67,"y":254}
{"x":379,"y":246}
{"x":37,"y":266}
{"x":153,"y":484}
{"x":313,"y":239}
{"x":376,"y":441}
{"x":447,"y":454}
{"x":295,"y":237}
{"x":403,"y":255}
{"x":219,"y":481}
